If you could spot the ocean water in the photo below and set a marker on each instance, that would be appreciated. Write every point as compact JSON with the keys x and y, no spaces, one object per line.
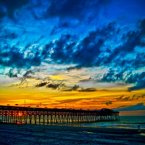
{"x":124,"y":122}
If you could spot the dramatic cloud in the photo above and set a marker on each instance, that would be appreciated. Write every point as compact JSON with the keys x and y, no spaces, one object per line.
{"x":84,"y":34}
{"x":75,"y":8}
{"x":9,"y":7}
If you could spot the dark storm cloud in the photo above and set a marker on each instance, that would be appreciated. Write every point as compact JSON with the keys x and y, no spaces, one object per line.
{"x":127,"y":73}
{"x":139,"y":85}
{"x":14,"y":58}
{"x":91,"y":47}
{"x":89,"y":51}
{"x":86,"y":52}
{"x":74,"y":8}
{"x":131,"y":40}
{"x":8,"y":7}
{"x":139,"y":79}
{"x":130,"y":77}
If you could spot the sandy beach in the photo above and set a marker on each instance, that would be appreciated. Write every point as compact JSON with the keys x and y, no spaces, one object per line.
{"x":68,"y":135}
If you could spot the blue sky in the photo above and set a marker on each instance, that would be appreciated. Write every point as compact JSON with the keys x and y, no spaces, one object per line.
{"x":74,"y":34}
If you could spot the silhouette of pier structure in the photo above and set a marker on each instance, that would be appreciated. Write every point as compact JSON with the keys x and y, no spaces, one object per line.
{"x":28,"y":115}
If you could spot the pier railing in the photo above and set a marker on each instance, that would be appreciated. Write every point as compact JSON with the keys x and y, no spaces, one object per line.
{"x":28,"y":115}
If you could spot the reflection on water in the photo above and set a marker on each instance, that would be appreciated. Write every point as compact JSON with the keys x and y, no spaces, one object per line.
{"x":124,"y":122}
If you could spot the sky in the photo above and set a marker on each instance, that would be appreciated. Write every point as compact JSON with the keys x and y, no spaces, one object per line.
{"x":81,"y":51}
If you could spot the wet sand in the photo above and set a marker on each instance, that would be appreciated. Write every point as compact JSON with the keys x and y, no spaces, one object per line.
{"x":11,"y":134}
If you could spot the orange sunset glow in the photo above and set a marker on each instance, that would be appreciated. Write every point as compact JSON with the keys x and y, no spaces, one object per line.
{"x":70,"y":99}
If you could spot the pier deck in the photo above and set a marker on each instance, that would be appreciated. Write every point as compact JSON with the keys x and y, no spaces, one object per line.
{"x":28,"y":115}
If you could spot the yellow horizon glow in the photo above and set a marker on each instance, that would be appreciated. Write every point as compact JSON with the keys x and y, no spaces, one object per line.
{"x":44,"y":97}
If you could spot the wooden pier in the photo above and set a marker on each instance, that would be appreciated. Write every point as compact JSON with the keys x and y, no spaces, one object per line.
{"x":28,"y":115}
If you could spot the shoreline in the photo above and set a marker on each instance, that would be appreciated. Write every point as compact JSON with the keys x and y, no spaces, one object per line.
{"x":82,"y":125}
{"x":68,"y":135}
